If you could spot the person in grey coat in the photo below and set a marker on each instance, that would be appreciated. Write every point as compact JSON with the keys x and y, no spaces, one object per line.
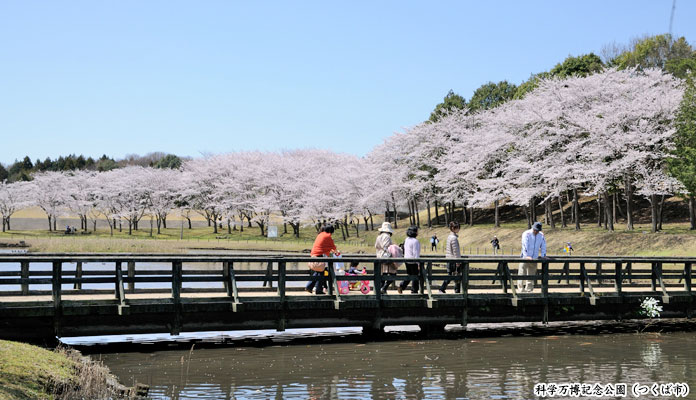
{"x":452,"y":251}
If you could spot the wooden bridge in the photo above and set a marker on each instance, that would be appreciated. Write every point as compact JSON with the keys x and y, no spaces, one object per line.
{"x":44,"y":296}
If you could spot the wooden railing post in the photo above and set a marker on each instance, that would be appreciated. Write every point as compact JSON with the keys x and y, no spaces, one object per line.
{"x":598,"y":266}
{"x":421,"y":277}
{"x":25,"y":275}
{"x":78,"y":275}
{"x":131,"y":275}
{"x":465,"y":293}
{"x":329,"y":280}
{"x":545,"y":289}
{"x":176,"y":297}
{"x":282,"y":321}
{"x":583,"y":275}
{"x":618,"y":278}
{"x":504,"y":270}
{"x":687,"y":277}
{"x":119,"y":291}
{"x":377,"y":280}
{"x":57,"y":281}
{"x":653,"y":276}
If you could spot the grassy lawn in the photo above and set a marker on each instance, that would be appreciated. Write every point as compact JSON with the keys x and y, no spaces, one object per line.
{"x":30,"y":372}
{"x":675,"y":239}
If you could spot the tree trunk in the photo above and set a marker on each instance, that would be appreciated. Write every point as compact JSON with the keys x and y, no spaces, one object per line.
{"x":415,"y":206}
{"x":411,"y":213}
{"x":560,"y":209}
{"x":661,"y":213}
{"x":619,"y":210}
{"x":130,"y":227}
{"x":576,"y":209}
{"x":653,"y":212}
{"x":261,"y":225}
{"x":208,"y":219}
{"x":471,"y":215}
{"x":215,"y":225}
{"x":285,"y":228}
{"x":552,"y":223}
{"x":430,"y":222}
{"x":164,"y":221}
{"x":229,"y":226}
{"x":189,"y":222}
{"x":609,"y":214}
{"x":94,"y":226}
{"x":3,"y":224}
{"x":437,"y":213}
{"x":497,"y":214}
{"x":345,"y":223}
{"x":629,"y":203}
{"x":528,"y":216}
{"x":599,"y":212}
{"x":692,"y":214}
{"x":159,"y":223}
{"x":120,"y":226}
{"x":372,"y":223}
{"x":50,"y":227}
{"x":613,"y":208}
{"x":532,"y":208}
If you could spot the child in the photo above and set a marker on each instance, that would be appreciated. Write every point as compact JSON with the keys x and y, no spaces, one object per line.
{"x":354,"y":268}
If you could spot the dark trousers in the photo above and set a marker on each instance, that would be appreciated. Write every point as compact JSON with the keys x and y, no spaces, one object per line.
{"x":320,"y":284}
{"x":385,"y":284}
{"x":452,"y":269}
{"x":412,"y":270}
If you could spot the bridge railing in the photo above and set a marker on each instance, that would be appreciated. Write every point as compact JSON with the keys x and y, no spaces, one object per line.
{"x":122,"y":277}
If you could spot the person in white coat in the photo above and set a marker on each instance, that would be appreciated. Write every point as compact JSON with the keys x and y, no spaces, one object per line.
{"x":533,"y":243}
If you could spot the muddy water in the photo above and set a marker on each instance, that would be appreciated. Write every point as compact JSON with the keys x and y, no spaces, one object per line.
{"x":407,"y":368}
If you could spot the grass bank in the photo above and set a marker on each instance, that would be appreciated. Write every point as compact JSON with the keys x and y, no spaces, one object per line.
{"x":675,"y":240}
{"x":31,"y":372}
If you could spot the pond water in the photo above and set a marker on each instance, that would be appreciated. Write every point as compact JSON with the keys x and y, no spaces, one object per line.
{"x":320,"y":364}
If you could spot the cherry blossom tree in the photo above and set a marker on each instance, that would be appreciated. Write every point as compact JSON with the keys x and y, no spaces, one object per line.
{"x":13,"y":197}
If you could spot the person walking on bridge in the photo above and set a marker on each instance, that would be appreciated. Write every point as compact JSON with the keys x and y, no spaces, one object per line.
{"x":452,"y":251}
{"x":533,"y":242}
{"x":323,"y":247}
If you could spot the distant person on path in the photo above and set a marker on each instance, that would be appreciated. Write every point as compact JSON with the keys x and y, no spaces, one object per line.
{"x":382,"y":244}
{"x":568,"y":249}
{"x":411,"y":250}
{"x":533,"y":241}
{"x":433,"y":243}
{"x":496,"y":245}
{"x":323,"y":246}
{"x":452,"y":251}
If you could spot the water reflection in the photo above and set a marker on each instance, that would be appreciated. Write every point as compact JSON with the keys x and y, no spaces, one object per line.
{"x":499,"y":368}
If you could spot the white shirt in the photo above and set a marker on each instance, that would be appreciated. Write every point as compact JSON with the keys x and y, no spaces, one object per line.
{"x":531,"y":244}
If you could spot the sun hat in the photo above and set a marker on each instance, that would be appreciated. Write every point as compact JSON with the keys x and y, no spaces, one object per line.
{"x":386,"y":227}
{"x":537,"y":226}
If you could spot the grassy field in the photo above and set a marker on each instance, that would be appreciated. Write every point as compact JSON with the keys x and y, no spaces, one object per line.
{"x":675,"y":239}
{"x":31,"y":372}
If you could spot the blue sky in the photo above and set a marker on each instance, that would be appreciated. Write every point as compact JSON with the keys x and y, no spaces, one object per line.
{"x":185,"y":77}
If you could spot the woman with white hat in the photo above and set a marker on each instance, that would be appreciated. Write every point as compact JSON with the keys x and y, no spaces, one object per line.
{"x":382,"y":247}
